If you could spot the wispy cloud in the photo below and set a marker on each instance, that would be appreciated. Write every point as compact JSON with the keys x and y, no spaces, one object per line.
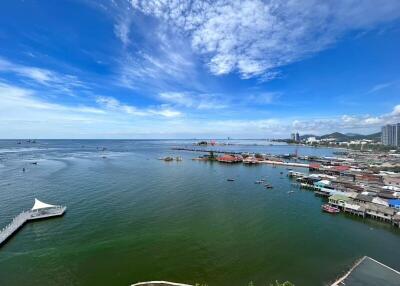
{"x":263,"y":98}
{"x":13,"y":97}
{"x":122,"y":29}
{"x":161,"y":67}
{"x":111,"y":103}
{"x":23,"y":113}
{"x":381,"y":86}
{"x":55,"y":81}
{"x":195,"y":100}
{"x":256,"y":37}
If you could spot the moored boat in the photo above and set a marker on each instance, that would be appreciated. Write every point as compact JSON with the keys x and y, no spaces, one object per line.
{"x":330,"y":209}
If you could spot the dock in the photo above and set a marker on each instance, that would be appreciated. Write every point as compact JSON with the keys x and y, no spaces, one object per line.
{"x":40,"y":210}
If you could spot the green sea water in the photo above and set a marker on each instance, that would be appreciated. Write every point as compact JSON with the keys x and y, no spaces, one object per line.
{"x":134,"y":218}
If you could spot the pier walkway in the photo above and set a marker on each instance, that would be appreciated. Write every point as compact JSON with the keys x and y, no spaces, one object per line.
{"x":39,"y":211}
{"x":369,"y":272}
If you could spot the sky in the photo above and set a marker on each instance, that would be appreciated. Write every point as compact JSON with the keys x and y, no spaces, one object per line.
{"x":197,"y":69}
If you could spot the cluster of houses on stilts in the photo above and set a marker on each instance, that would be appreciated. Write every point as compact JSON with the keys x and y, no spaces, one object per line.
{"x":351,"y":196}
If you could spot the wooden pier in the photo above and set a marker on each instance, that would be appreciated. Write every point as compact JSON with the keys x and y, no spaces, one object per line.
{"x":39,"y":211}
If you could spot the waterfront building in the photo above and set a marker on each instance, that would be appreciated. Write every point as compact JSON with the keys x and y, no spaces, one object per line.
{"x":312,"y":139}
{"x":392,"y":180}
{"x":338,"y":200}
{"x":380,"y":201}
{"x":391,"y":135}
{"x":380,"y":212}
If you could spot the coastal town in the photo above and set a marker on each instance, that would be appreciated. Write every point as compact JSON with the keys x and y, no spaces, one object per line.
{"x":364,"y":182}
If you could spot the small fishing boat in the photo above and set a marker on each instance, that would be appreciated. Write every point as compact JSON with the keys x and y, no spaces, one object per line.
{"x":330,"y":209}
{"x":258,"y":182}
{"x":268,"y":186}
{"x":166,"y":159}
{"x":290,"y":192}
{"x":230,"y":180}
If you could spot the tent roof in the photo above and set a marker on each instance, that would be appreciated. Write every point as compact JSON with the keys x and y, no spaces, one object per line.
{"x":41,"y":205}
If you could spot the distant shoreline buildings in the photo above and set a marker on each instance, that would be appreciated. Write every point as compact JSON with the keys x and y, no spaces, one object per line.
{"x":295,"y":137}
{"x":391,"y":135}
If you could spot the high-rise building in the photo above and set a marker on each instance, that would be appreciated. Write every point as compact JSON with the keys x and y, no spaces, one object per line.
{"x":391,"y":135}
{"x":297,"y":137}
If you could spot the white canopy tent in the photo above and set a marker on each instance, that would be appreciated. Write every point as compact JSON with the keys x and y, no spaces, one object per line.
{"x":41,"y":205}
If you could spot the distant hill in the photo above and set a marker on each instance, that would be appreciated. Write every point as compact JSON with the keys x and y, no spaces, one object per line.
{"x":345,"y":137}
{"x":336,"y":135}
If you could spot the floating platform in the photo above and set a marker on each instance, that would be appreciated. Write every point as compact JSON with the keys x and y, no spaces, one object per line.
{"x":40,"y":210}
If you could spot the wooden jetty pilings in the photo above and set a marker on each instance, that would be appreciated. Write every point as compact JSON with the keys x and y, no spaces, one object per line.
{"x":26,"y":216}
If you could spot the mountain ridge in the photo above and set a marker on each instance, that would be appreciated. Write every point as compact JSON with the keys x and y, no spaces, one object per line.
{"x":345,"y":137}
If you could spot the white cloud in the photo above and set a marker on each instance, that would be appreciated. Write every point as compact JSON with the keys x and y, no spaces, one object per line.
{"x":396,"y":111}
{"x":345,"y":123}
{"x":166,"y":112}
{"x":254,"y":37}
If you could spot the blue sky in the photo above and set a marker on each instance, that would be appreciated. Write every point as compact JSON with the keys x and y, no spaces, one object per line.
{"x":197,"y":69}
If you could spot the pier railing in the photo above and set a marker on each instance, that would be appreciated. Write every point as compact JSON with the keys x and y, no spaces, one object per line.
{"x":25,"y":216}
{"x":14,"y":225}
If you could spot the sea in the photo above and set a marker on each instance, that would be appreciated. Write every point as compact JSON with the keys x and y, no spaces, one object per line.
{"x":131,"y":217}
